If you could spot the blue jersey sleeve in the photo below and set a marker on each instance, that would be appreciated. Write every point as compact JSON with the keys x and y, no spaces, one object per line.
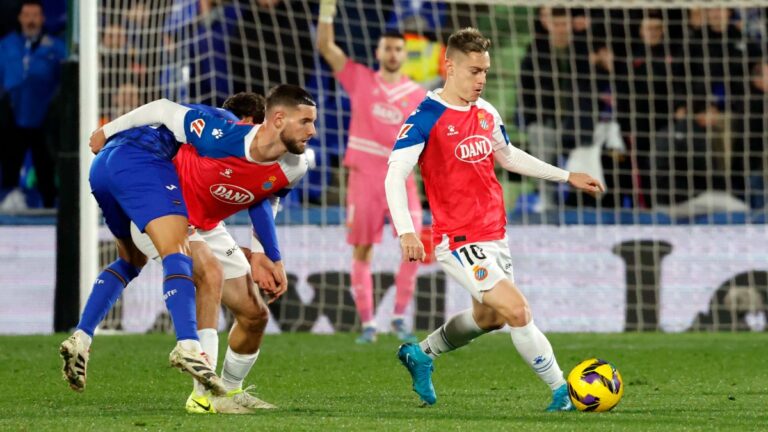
{"x":214,"y":111}
{"x":263,"y":222}
{"x":217,"y":137}
{"x":418,"y":126}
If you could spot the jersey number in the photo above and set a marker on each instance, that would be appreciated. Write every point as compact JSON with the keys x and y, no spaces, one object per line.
{"x":475,"y":251}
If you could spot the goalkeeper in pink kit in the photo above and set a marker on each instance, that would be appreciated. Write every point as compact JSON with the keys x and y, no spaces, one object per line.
{"x":380,"y":100}
{"x":456,"y":138}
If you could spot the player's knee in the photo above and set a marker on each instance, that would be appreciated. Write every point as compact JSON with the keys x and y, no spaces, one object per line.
{"x":490,"y":322}
{"x":138,"y":259}
{"x":211,"y":281}
{"x":128,"y":251}
{"x":255,"y":320}
{"x":517,"y":315}
{"x":363,"y":253}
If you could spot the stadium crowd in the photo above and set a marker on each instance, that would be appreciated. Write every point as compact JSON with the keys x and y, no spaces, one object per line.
{"x":668,"y":104}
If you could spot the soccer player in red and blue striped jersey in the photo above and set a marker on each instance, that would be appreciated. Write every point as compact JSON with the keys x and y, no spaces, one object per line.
{"x":456,"y":137}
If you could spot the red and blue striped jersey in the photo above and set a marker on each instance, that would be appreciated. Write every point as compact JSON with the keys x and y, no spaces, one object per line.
{"x":456,"y":161}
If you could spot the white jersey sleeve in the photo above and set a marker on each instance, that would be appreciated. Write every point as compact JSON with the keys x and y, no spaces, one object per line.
{"x":410,"y":143}
{"x":513,"y":159}
{"x":159,"y":112}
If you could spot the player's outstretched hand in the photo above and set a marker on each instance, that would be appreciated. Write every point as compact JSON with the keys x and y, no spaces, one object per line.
{"x":262,"y":269}
{"x":98,"y":139}
{"x":412,"y":247}
{"x":586,"y":183}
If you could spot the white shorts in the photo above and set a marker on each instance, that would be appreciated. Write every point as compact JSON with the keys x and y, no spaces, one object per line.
{"x":478,"y":267}
{"x":223,"y":246}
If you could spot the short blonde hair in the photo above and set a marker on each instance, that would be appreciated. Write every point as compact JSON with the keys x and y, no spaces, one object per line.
{"x":467,"y":40}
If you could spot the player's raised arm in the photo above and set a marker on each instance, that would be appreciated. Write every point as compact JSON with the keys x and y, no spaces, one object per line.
{"x":326,"y":43}
{"x":410,"y":143}
{"x":161,"y":111}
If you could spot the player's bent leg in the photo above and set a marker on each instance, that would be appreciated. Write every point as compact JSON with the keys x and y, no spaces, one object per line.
{"x":75,"y":350}
{"x":169,"y":235}
{"x":507,"y":300}
{"x":251,"y":316}
{"x":362,"y":289}
{"x":208,"y":275}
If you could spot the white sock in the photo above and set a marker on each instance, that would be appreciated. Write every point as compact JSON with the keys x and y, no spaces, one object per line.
{"x":537,"y":352}
{"x":458,"y":331}
{"x":236,"y":367}
{"x":209,"y":340}
{"x":191,"y":345}
{"x":84,"y":338}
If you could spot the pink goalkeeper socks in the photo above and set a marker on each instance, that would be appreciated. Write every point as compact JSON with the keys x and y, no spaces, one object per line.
{"x":362,"y":288}
{"x":405,"y":282}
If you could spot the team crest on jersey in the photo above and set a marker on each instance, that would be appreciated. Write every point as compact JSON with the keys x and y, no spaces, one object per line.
{"x":404,"y":131}
{"x":483,"y":121}
{"x":197,"y":127}
{"x":473,"y":149}
{"x":231,"y":194}
{"x":481,"y":273}
{"x":269,"y":184}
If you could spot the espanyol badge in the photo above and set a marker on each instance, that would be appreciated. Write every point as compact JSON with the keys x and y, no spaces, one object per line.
{"x":269,"y":183}
{"x":483,"y":122}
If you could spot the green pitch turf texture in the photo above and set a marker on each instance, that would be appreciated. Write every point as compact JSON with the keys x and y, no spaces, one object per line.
{"x":673,"y":382}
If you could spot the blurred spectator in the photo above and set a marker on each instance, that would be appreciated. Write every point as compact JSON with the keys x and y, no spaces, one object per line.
{"x":646,"y":97}
{"x":718,"y":59}
{"x":604,"y":155}
{"x":125,"y":82}
{"x":696,"y":21}
{"x":555,"y":100}
{"x":29,"y":67}
{"x":273,"y":47}
{"x":750,"y":151}
{"x":425,"y":56}
{"x":692,"y":164}
{"x":210,"y":69}
{"x":543,"y":14}
{"x":580,"y":23}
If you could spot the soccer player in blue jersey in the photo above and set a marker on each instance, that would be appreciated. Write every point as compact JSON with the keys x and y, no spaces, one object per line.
{"x":153,"y":201}
{"x":219,"y":132}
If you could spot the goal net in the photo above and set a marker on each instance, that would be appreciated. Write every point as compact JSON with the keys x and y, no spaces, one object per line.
{"x":665,"y":104}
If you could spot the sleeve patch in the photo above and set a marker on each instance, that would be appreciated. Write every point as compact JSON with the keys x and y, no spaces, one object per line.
{"x":404,"y":131}
{"x":197,"y":127}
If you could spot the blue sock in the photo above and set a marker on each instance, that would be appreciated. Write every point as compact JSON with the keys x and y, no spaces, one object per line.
{"x":179,"y":295}
{"x":106,"y":290}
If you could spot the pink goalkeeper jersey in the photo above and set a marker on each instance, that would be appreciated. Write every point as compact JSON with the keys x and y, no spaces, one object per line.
{"x":378,"y":111}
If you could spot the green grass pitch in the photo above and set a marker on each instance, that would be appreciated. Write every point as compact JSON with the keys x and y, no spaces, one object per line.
{"x":673,"y":382}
